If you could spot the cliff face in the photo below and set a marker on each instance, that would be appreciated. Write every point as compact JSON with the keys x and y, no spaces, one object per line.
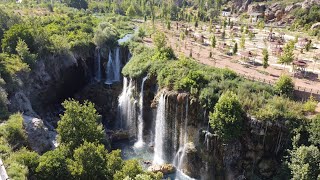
{"x":193,"y":148}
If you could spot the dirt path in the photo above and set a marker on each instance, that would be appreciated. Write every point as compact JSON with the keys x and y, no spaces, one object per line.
{"x":221,"y":60}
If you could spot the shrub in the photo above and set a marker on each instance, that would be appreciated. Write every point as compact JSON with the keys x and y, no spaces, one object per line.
{"x":314,"y":130}
{"x":13,"y":131}
{"x":310,"y":105}
{"x":284,"y":86}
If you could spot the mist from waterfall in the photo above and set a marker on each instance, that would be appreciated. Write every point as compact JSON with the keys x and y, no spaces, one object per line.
{"x":160,"y":131}
{"x":126,"y":107}
{"x":140,"y":141}
{"x":97,"y":64}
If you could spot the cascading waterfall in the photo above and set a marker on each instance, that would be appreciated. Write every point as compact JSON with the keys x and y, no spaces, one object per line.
{"x":178,"y":159}
{"x":109,"y":70}
{"x":126,"y":106}
{"x":140,"y":141}
{"x":159,"y":139}
{"x":117,"y":66}
{"x":97,"y":64}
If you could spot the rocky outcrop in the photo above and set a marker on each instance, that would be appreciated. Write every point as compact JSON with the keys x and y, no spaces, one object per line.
{"x":164,"y":168}
{"x":39,"y":138}
{"x":256,"y":8}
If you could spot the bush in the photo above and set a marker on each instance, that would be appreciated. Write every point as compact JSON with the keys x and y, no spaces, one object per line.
{"x":304,"y":163}
{"x":13,"y":131}
{"x":285,"y":86}
{"x":311,"y":105}
{"x":314,"y":130}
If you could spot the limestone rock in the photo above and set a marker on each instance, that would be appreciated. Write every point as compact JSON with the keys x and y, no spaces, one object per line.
{"x":267,"y":167}
{"x":256,"y":8}
{"x":165,"y":168}
{"x":38,"y":136}
{"x":315,"y":25}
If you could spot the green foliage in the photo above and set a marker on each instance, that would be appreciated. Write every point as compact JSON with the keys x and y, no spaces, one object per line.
{"x":17,"y":171}
{"x":12,"y":36}
{"x":310,"y":105}
{"x":314,"y":130}
{"x":105,"y":36}
{"x":160,"y":41}
{"x":28,"y":159}
{"x":13,"y":131}
{"x":79,"y":4}
{"x":242,"y":41}
{"x":90,"y":161}
{"x":227,"y":120}
{"x":213,"y":41}
{"x":235,"y":48}
{"x":304,"y":163}
{"x":24,"y":53}
{"x":141,"y":33}
{"x":79,"y":123}
{"x":280,"y":109}
{"x":305,"y":17}
{"x":53,"y":165}
{"x":265,"y":55}
{"x":131,"y":169}
{"x":288,"y":55}
{"x":284,"y":86}
{"x":131,"y":11}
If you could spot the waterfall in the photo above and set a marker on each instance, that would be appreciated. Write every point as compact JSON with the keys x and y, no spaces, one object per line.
{"x":160,"y":128}
{"x":109,"y":70}
{"x":117,"y":66}
{"x":126,"y":106}
{"x":140,"y":141}
{"x":178,"y":159}
{"x":97,"y":64}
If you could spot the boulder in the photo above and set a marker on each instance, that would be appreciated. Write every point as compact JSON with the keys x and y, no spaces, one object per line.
{"x":164,"y":168}
{"x":279,"y":14}
{"x":315,"y":25}
{"x":291,"y":7}
{"x":307,"y":4}
{"x":256,"y":8}
{"x":39,"y":138}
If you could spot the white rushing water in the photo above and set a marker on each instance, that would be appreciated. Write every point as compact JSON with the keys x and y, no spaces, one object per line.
{"x":126,"y":106}
{"x":178,"y":159}
{"x":140,"y":141}
{"x":97,"y":65}
{"x":159,"y":139}
{"x":109,"y":70}
{"x":117,"y":66}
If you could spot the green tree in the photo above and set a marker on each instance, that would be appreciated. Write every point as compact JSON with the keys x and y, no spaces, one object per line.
{"x":105,"y":36}
{"x":160,"y":41}
{"x":243,"y":41}
{"x":235,"y":48}
{"x":131,"y":11}
{"x":265,"y":62}
{"x":90,"y":161}
{"x":223,"y":35}
{"x":285,"y":86}
{"x":130,"y":168}
{"x":24,"y":53}
{"x":53,"y":164}
{"x":12,"y":36}
{"x":305,"y":162}
{"x":79,"y":4}
{"x":79,"y":123}
{"x":227,"y":120}
{"x":308,"y":45}
{"x":213,"y":41}
{"x":141,"y":33}
{"x":314,"y":130}
{"x":287,"y":56}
